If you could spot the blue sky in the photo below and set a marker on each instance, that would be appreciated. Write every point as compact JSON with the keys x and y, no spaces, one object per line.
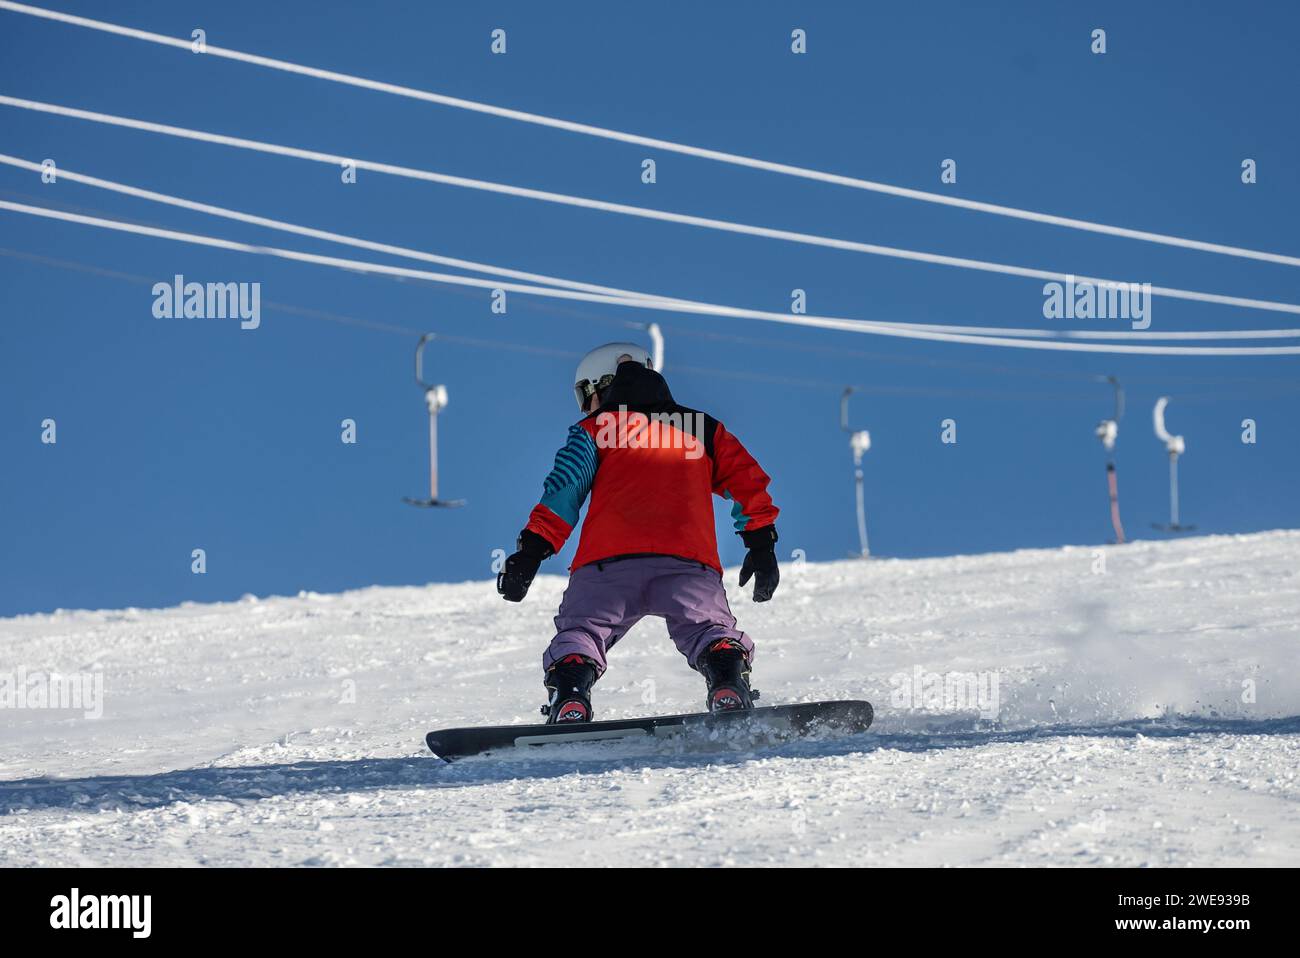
{"x":175,"y":435}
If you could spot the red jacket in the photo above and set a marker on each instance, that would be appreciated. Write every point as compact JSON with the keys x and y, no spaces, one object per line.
{"x":652,"y":468}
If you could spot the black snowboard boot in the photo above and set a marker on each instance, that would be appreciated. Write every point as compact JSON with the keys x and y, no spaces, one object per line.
{"x":725,"y":667}
{"x":569,"y":683}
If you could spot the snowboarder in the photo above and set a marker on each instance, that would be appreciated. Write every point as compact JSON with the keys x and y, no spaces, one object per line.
{"x":648,"y":545}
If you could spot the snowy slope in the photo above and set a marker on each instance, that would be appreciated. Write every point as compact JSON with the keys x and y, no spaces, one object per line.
{"x":289,"y":730}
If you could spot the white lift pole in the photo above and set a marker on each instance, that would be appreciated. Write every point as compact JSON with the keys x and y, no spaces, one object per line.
{"x":435,"y":400}
{"x":657,"y":347}
{"x":1108,"y":431}
{"x":1175,"y":446}
{"x":859,"y":442}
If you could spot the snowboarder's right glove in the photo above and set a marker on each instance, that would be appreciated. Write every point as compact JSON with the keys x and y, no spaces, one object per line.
{"x":514,"y":580}
{"x":760,"y":562}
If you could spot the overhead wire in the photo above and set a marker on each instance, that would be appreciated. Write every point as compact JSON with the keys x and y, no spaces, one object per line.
{"x":1270,"y":387}
{"x":276,"y":306}
{"x":473,"y":266}
{"x":704,"y":222}
{"x":685,"y":306}
{"x":586,"y":129}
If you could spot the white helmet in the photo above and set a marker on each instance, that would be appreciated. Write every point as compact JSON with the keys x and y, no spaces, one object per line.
{"x":596,"y":371}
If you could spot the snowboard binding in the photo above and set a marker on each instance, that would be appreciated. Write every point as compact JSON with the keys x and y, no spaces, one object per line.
{"x":725,"y":667}
{"x":569,"y":683}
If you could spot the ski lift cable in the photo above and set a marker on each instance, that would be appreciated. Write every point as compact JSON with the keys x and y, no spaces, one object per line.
{"x":310,"y":313}
{"x":376,"y":247}
{"x":685,"y":219}
{"x":838,"y":351}
{"x":501,"y":345}
{"x":687,"y":306}
{"x":559,"y":309}
{"x":406,"y":252}
{"x":1271,"y":386}
{"x":1277,"y":386}
{"x":510,"y":346}
{"x":554,"y":353}
{"x":720,"y":156}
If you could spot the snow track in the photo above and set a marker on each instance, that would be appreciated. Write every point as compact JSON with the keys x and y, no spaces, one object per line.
{"x":1145,"y":715}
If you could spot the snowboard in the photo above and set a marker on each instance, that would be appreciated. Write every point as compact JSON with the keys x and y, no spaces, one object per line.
{"x":790,"y":721}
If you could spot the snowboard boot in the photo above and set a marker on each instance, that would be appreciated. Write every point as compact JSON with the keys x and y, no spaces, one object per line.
{"x":569,"y":683}
{"x":725,"y":667}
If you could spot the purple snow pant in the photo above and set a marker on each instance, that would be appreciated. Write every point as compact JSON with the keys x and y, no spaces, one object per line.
{"x":605,"y":599}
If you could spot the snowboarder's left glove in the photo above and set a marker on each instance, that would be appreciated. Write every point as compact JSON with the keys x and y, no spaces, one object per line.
{"x":760,"y":562}
{"x":514,"y":580}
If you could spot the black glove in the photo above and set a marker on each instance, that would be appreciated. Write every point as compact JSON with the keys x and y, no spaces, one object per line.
{"x":514,"y":580}
{"x":760,"y":562}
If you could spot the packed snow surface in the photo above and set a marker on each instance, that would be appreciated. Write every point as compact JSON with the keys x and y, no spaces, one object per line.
{"x":1134,"y":705}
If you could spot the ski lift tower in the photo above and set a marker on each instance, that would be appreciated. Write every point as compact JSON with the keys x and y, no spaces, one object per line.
{"x":859,"y":442}
{"x":1175,"y":446}
{"x":1108,"y":431}
{"x":435,"y":399}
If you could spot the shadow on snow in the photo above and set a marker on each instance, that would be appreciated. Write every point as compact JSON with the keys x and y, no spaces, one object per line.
{"x":255,"y":782}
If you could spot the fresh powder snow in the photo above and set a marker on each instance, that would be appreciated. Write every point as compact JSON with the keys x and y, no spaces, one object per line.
{"x":1134,"y":705}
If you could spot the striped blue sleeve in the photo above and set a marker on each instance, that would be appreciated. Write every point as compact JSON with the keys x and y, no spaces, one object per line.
{"x":566,"y":488}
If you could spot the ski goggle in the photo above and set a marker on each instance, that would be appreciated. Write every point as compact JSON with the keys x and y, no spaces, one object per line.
{"x":584,"y":389}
